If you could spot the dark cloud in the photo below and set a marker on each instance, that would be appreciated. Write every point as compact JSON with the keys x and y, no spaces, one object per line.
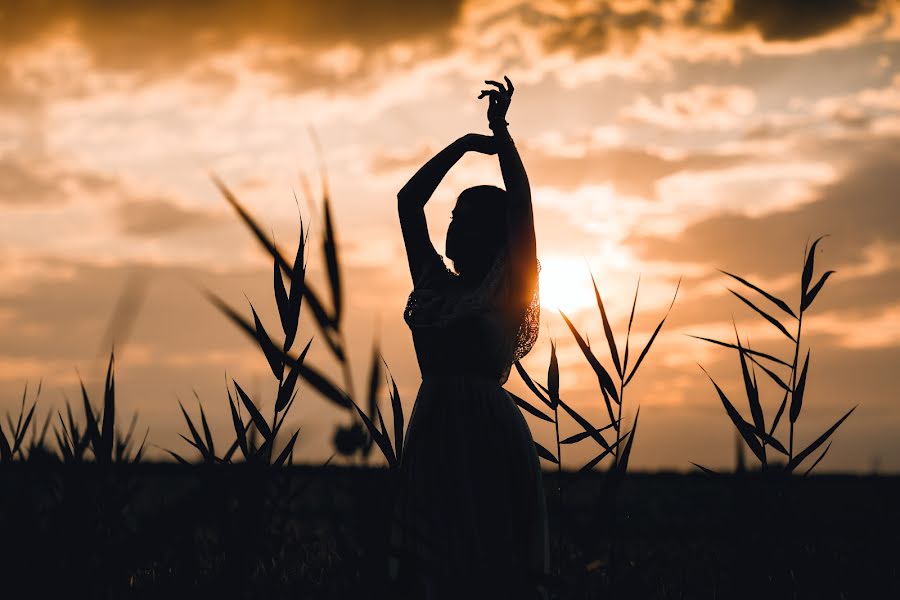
{"x":149,"y":217}
{"x":160,"y":36}
{"x":632,"y":171}
{"x":859,"y":209}
{"x":793,"y":20}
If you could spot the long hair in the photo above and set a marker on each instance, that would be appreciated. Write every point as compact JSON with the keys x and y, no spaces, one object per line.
{"x":488,"y":231}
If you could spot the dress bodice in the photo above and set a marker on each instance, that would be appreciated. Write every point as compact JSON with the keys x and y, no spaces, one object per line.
{"x":460,"y":331}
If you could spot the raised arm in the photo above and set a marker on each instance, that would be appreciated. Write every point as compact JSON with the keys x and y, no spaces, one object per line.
{"x":413,"y":196}
{"x":520,"y":218}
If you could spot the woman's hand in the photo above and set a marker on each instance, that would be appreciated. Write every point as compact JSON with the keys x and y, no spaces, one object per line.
{"x":499,"y":100}
{"x":475,"y":142}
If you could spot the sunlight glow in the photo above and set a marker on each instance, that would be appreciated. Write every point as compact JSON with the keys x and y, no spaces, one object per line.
{"x":565,"y":283}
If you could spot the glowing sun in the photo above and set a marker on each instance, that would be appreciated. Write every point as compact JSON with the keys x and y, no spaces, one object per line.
{"x":565,"y":283}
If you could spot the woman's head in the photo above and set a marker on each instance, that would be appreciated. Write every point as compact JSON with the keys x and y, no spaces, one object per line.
{"x":477,"y":229}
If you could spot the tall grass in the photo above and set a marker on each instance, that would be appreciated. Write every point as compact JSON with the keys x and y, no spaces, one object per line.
{"x":756,"y":434}
{"x":348,"y":439}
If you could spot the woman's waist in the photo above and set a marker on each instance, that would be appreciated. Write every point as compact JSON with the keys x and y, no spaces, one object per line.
{"x":492,"y":379}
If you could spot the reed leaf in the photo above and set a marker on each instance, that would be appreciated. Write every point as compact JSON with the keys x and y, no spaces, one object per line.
{"x":622,"y":461}
{"x":779,"y":413}
{"x":797,"y":396}
{"x":765,"y":315}
{"x":288,"y":450}
{"x":603,"y":377}
{"x":177,"y":457}
{"x":606,"y":452}
{"x":312,"y":376}
{"x":198,"y":441}
{"x":750,"y":387}
{"x":397,"y":409}
{"x":809,"y":297}
{"x":286,"y":387}
{"x":610,"y":339}
{"x":268,"y":346}
{"x":818,"y":460}
{"x":298,"y":289}
{"x":531,"y":386}
{"x":545,"y":454}
{"x":258,"y":420}
{"x":744,"y":428}
{"x":240,"y":429}
{"x":704,"y":469}
{"x":573,"y":439}
{"x":524,"y":405}
{"x":590,"y":429}
{"x":553,"y":377}
{"x":774,"y":376}
{"x":652,"y":337}
{"x":630,"y":320}
{"x":747,"y":350}
{"x":808,"y":266}
{"x":329,"y":245}
{"x":819,"y":441}
{"x":775,"y":300}
{"x":384,"y":444}
{"x":374,"y":387}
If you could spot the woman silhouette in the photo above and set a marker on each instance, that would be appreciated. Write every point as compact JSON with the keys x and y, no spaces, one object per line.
{"x":472,"y":511}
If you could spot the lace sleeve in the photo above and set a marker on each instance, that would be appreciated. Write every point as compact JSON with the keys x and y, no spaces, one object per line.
{"x":430,"y":306}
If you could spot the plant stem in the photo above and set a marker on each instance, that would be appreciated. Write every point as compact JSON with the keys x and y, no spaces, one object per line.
{"x":558,"y":493}
{"x":794,"y":383}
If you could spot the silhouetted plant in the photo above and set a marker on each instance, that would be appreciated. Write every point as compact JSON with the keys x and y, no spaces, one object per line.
{"x":100,"y":434}
{"x":755,"y":433}
{"x":608,"y":388}
{"x":328,"y":322}
{"x":12,"y":445}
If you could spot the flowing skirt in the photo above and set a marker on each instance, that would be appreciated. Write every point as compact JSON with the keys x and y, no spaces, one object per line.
{"x":471,"y":517}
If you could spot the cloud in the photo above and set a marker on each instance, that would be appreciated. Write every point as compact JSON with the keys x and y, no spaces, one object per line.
{"x":701,"y":107}
{"x":780,"y":20}
{"x":859,"y":209}
{"x":40,"y":181}
{"x":148,"y":217}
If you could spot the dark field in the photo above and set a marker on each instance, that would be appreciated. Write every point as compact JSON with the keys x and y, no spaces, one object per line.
{"x":165,"y":530}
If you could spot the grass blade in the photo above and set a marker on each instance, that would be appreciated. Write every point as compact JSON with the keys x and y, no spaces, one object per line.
{"x":594,"y":461}
{"x":545,"y":454}
{"x":524,"y":405}
{"x":797,"y":396}
{"x":750,"y":387}
{"x":808,"y":267}
{"x":765,"y":315}
{"x":743,"y":427}
{"x":531,"y":386}
{"x":779,"y":413}
{"x":747,"y":350}
{"x":704,"y":469}
{"x":397,"y":409}
{"x":630,"y":320}
{"x":553,"y":377}
{"x":383,"y":442}
{"x":286,"y":387}
{"x":622,"y":462}
{"x":258,"y":420}
{"x":331,"y":261}
{"x":776,"y":301}
{"x":573,"y":439}
{"x":653,"y":337}
{"x":818,"y":460}
{"x":821,"y":439}
{"x":611,"y":340}
{"x":603,"y":377}
{"x":808,"y":298}
{"x":273,"y":355}
{"x":590,"y":429}
{"x":287,"y":451}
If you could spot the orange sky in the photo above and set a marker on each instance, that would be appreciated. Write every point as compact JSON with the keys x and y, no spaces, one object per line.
{"x":663,"y":142}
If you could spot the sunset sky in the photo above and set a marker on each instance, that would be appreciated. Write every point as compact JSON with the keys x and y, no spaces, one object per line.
{"x":661,"y":140}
